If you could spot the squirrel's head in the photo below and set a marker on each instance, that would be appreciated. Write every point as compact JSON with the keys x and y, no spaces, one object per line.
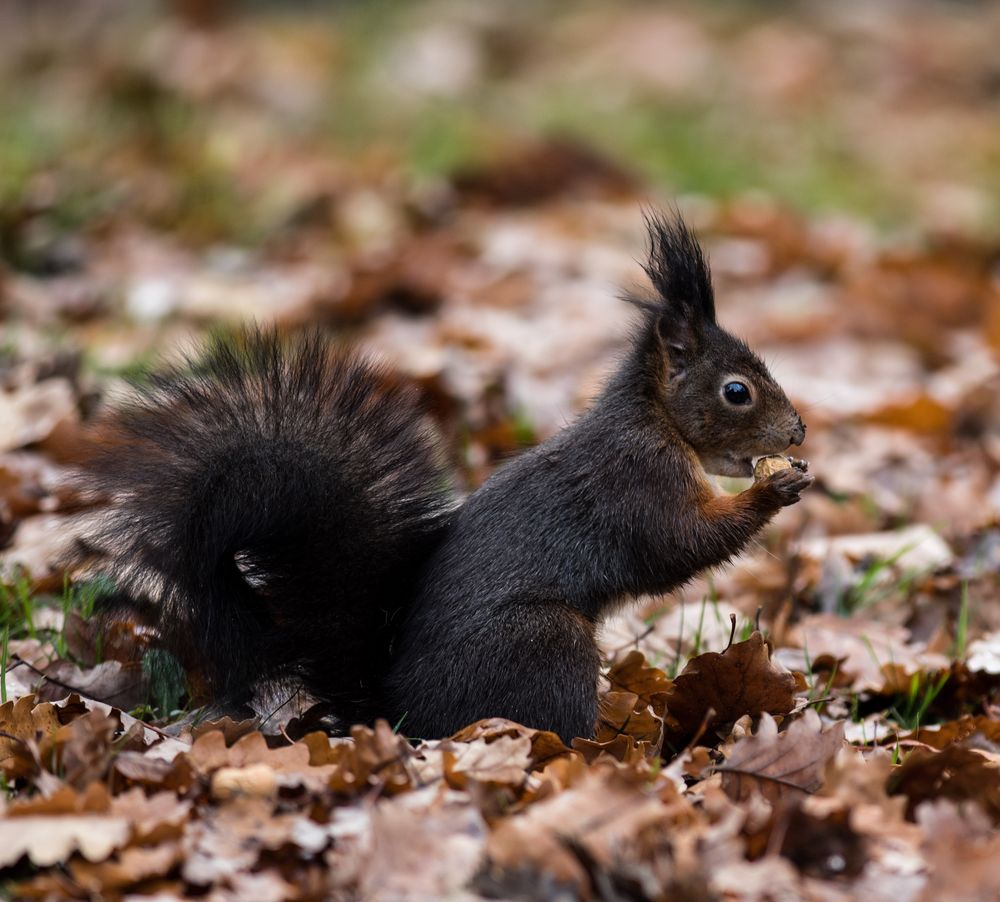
{"x":716,"y":392}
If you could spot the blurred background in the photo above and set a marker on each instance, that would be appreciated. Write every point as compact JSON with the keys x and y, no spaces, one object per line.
{"x":458,"y":187}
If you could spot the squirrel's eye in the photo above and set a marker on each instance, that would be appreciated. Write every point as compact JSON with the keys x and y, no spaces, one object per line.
{"x":736,"y":393}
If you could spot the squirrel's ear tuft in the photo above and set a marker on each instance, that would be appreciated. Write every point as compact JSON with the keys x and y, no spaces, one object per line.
{"x":678,"y":269}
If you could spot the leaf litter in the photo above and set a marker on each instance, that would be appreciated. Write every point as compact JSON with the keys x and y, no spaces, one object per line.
{"x":848,"y":750}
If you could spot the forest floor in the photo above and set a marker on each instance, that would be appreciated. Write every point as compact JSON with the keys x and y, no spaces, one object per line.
{"x":460,"y":191}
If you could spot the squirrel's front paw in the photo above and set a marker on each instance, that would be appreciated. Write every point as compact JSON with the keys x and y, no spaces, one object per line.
{"x":787,"y":485}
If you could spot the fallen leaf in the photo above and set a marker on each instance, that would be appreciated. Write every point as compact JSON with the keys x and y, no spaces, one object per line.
{"x":633,"y":674}
{"x":962,"y":849}
{"x":423,"y":847}
{"x":601,"y":815}
{"x":781,"y":764}
{"x":741,"y":680}
{"x":503,"y":762}
{"x":955,"y":773}
{"x":32,"y":412}
{"x":51,"y":840}
{"x":625,"y":713}
{"x":965,"y":728}
{"x":22,"y":722}
{"x":129,"y":867}
{"x":111,"y":682}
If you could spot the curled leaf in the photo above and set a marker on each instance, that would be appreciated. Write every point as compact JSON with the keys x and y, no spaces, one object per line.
{"x":741,"y":680}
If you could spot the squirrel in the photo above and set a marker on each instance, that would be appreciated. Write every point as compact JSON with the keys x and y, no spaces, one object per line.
{"x":287,"y":510}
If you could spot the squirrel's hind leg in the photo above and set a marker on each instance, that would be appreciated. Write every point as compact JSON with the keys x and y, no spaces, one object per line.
{"x":535,"y":663}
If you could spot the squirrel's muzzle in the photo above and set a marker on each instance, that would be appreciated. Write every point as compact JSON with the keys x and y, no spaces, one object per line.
{"x":798,"y":433}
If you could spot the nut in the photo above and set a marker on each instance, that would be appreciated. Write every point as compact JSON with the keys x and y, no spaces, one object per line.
{"x":767,"y":466}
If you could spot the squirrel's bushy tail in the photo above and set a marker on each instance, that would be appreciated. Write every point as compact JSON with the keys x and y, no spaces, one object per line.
{"x":274,"y":500}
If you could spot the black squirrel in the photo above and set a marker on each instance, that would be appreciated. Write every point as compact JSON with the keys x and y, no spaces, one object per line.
{"x":288,"y":509}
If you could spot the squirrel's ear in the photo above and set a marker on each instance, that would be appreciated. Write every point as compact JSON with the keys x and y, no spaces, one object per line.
{"x":679,"y":337}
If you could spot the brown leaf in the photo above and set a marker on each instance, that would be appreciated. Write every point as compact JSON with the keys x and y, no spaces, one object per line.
{"x":624,"y":713}
{"x":955,"y":773}
{"x":599,"y":816}
{"x":231,"y":729}
{"x":130,"y":867}
{"x":423,"y":852}
{"x":545,"y":745}
{"x":371,"y":757}
{"x":503,"y":762}
{"x":253,"y":780}
{"x":953,"y":731}
{"x":209,"y":752}
{"x":22,"y":722}
{"x":32,"y":412}
{"x":111,"y":682}
{"x":920,"y":413}
{"x":154,"y":818}
{"x":781,"y":764}
{"x":155,"y":773}
{"x":66,"y":800}
{"x":633,"y":674}
{"x":742,"y":680}
{"x":539,"y":171}
{"x":50,"y":840}
{"x":288,"y":765}
{"x":961,"y":848}
{"x":622,"y":747}
{"x":83,"y":749}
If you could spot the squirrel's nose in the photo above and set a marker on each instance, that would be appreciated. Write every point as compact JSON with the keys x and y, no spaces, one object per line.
{"x":798,"y":433}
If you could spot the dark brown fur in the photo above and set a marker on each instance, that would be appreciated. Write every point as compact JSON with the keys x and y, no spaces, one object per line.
{"x":304,"y":523}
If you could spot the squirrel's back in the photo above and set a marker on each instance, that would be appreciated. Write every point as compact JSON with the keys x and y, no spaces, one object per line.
{"x":274,"y":501}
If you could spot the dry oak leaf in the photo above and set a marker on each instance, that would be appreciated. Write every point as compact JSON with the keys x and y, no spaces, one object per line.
{"x":633,"y":674}
{"x":231,"y":729}
{"x":82,"y":751}
{"x":210,"y":752}
{"x":371,"y":757}
{"x":23,"y":722}
{"x":229,"y":839}
{"x":626,"y":713}
{"x":111,"y":682}
{"x":967,"y":726}
{"x":252,"y":780}
{"x":32,"y":412}
{"x":290,"y":765}
{"x":503,"y":762}
{"x":741,"y":680}
{"x":152,"y":772}
{"x":857,"y":781}
{"x":50,"y":830}
{"x":781,"y":764}
{"x":622,"y":748}
{"x":51,"y":840}
{"x":423,"y":846}
{"x":962,"y":851}
{"x":545,"y":745}
{"x":154,"y":818}
{"x":603,"y":815}
{"x":130,"y":867}
{"x":956,"y":773}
